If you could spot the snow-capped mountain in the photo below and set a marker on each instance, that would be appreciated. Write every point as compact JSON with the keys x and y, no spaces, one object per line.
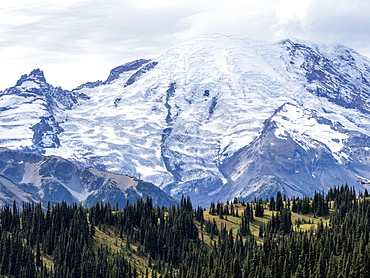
{"x":215,"y":118}
{"x":31,"y":112}
{"x":30,"y":177}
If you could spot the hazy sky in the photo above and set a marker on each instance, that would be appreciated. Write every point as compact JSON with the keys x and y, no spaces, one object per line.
{"x":75,"y":41}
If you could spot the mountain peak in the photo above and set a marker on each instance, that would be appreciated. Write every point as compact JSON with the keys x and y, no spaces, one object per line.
{"x":35,"y":78}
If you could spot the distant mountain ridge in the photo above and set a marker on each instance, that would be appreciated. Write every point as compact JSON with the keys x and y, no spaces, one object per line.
{"x":215,"y":118}
{"x":28,"y":177}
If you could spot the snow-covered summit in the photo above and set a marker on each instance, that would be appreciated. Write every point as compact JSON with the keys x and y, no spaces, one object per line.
{"x":191,"y":120}
{"x":31,"y":112}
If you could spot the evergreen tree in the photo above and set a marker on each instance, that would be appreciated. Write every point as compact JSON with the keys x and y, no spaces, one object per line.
{"x":279,"y":202}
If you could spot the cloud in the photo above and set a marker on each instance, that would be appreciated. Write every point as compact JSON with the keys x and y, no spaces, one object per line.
{"x":244,"y":18}
{"x":329,"y":21}
{"x":107,"y":32}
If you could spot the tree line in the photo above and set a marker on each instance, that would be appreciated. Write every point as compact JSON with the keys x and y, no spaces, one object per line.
{"x":61,"y":240}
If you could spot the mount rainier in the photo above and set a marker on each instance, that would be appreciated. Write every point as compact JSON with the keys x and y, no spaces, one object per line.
{"x":214,"y":118}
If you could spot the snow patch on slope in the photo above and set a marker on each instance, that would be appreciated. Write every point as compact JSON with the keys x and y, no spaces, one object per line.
{"x":304,"y":127}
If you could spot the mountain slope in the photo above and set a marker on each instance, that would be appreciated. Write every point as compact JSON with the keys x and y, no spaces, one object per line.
{"x":28,"y":177}
{"x":218,"y":117}
{"x":297,"y":152}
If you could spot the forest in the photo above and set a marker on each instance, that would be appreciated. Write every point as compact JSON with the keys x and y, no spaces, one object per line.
{"x":326,"y":235}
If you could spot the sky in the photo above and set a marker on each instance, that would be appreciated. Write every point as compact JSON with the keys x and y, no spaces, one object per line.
{"x":76,"y":41}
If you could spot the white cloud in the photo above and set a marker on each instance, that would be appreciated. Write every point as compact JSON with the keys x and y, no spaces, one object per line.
{"x":244,"y":18}
{"x":88,"y":34}
{"x":329,"y":21}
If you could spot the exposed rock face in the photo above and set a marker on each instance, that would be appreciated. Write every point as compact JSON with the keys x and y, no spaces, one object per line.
{"x":286,"y":159}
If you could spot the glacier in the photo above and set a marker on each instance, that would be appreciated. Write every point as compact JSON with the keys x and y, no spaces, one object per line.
{"x":216,"y":117}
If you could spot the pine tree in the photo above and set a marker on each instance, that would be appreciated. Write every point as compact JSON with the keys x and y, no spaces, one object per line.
{"x":279,"y":202}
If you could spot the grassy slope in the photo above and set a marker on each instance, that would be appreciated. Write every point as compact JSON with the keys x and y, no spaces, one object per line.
{"x":233,"y":223}
{"x":105,"y":236}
